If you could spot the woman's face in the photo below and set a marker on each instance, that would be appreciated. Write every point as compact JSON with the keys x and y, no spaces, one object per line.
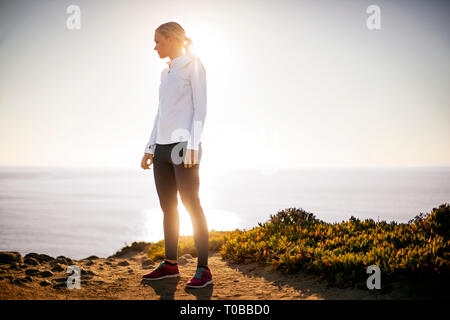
{"x":164,"y":46}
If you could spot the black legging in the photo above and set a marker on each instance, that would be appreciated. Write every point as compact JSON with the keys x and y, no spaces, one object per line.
{"x":171,"y":177}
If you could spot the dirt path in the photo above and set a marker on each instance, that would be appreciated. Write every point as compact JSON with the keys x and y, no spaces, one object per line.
{"x":120,"y":278}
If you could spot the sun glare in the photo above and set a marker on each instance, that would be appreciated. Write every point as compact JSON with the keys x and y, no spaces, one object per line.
{"x":219,"y":220}
{"x":212,"y":47}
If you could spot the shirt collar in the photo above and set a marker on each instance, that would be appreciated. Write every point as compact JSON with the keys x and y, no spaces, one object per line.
{"x":176,"y":60}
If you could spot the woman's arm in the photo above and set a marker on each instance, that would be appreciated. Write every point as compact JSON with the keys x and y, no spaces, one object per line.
{"x":198,"y":84}
{"x":150,"y":147}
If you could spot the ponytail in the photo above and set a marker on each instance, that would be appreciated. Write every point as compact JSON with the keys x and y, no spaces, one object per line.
{"x":187,"y":46}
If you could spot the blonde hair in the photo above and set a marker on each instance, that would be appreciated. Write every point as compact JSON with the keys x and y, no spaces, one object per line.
{"x":176,"y":31}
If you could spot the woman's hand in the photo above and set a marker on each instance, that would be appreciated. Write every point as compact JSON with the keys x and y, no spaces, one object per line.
{"x":191,"y":158}
{"x":144,"y":163}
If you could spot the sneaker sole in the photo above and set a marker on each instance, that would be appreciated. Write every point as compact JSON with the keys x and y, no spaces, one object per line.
{"x":202,"y":286}
{"x":163,"y":277}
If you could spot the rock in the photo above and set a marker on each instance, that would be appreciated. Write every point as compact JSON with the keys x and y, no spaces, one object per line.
{"x":57,"y":268}
{"x":8,"y":257}
{"x":31,"y":272}
{"x":87,"y":272}
{"x":182,"y":261}
{"x":123,"y":263}
{"x":19,"y":281}
{"x":131,"y":251}
{"x":45,"y":283}
{"x":39,"y":257}
{"x":45,"y":258}
{"x":45,"y":274}
{"x":14,"y":266}
{"x":91,"y":258}
{"x":187,"y":256}
{"x":60,"y":285}
{"x":58,"y":263}
{"x":31,"y":261}
{"x":33,"y":255}
{"x":61,"y":260}
{"x":147,"y":263}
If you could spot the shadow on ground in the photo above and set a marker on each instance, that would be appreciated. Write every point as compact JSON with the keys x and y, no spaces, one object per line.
{"x":166,"y":288}
{"x":311,"y":286}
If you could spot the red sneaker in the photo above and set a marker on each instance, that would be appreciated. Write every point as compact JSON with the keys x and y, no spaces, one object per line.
{"x":163,"y":271}
{"x":201,"y":278}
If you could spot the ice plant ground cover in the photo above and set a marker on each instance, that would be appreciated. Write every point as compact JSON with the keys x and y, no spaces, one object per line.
{"x":294,"y":239}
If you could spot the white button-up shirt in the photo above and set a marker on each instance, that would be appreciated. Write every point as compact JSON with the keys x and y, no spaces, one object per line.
{"x":182,"y":104}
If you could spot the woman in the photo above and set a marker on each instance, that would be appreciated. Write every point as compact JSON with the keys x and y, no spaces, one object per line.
{"x":175,"y":149}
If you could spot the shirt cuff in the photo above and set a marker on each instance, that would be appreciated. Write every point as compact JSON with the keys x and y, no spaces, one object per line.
{"x":193,"y":147}
{"x":150,"y":149}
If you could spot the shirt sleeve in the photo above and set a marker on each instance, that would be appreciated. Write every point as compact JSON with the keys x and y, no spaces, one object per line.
{"x":151,"y":144}
{"x":198,"y":84}
{"x":150,"y":147}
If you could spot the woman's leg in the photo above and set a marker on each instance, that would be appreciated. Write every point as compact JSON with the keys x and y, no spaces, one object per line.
{"x":166,"y":187}
{"x":188,"y":183}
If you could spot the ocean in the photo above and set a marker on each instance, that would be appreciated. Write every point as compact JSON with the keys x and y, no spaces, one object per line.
{"x":82,"y":212}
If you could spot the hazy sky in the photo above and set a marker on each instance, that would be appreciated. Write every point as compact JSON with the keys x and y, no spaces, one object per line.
{"x":290,"y":83}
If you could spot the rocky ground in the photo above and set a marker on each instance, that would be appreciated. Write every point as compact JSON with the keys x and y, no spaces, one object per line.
{"x":39,"y":276}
